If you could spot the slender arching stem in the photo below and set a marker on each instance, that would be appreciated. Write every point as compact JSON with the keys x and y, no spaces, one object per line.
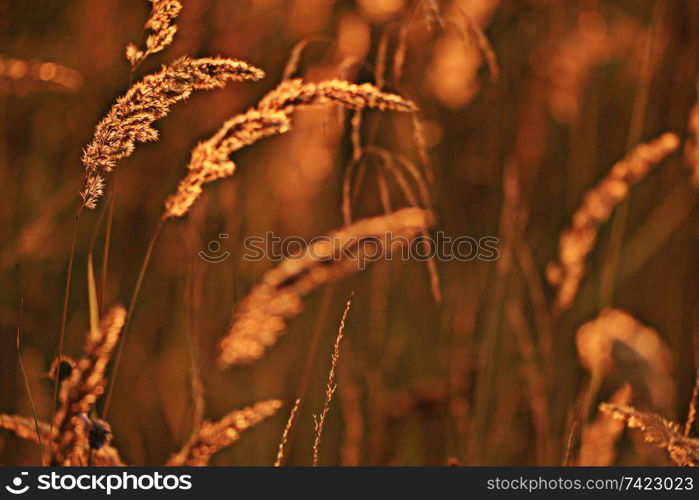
{"x":64,"y":314}
{"x":108,"y":239}
{"x":129,"y":314}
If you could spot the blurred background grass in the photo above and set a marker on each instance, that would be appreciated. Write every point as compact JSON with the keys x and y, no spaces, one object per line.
{"x":419,"y":382}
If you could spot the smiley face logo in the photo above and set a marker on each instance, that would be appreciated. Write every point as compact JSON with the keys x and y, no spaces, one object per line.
{"x":213,"y":256}
{"x":16,"y":487}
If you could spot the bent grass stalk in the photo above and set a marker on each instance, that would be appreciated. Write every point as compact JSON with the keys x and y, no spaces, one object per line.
{"x":80,"y":388}
{"x":311,"y":357}
{"x":692,"y":409}
{"x":260,"y":318}
{"x":27,"y":387}
{"x":130,"y":120}
{"x":129,"y":315}
{"x":578,"y":241}
{"x":64,"y":313}
{"x":610,"y":265}
{"x":210,"y":159}
{"x":162,"y":28}
{"x":72,"y":425}
{"x":285,"y":435}
{"x":108,"y":238}
{"x":319,"y":421}
{"x":682,"y":450}
{"x":161,"y":24}
{"x":212,"y":437}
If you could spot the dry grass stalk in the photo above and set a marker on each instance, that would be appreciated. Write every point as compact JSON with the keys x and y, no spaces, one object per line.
{"x":80,"y":391}
{"x":210,"y":159}
{"x":19,"y":76}
{"x":459,"y":53}
{"x":537,"y":296}
{"x":294,"y":93}
{"x":421,"y":144}
{"x":574,"y":428}
{"x":599,"y":438}
{"x":260,"y":319}
{"x":27,"y":385}
{"x":577,"y":241}
{"x":399,"y":55}
{"x":381,"y":59}
{"x":23,"y":427}
{"x":481,"y":41}
{"x":535,"y":377}
{"x":691,"y":149}
{"x":616,"y":334}
{"x":212,"y":437}
{"x":656,"y":430}
{"x":394,"y":164}
{"x":692,"y":411}
{"x":130,"y":120}
{"x":162,"y":28}
{"x":433,"y":13}
{"x":199,"y":403}
{"x":356,"y":135}
{"x":319,"y":420}
{"x":292,"y":64}
{"x":73,"y":435}
{"x":285,"y":435}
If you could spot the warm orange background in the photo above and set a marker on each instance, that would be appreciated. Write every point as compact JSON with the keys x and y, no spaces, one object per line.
{"x":411,"y":371}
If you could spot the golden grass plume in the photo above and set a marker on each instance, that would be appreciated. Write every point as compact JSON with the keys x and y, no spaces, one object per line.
{"x":281,"y":451}
{"x":579,"y":239}
{"x":130,"y":120}
{"x":330,"y":387}
{"x":210,"y":159}
{"x":24,"y":428}
{"x":212,"y":437}
{"x":656,"y":430}
{"x":692,"y":409}
{"x":260,"y":318}
{"x":74,"y":438}
{"x":79,"y":393}
{"x":161,"y":27}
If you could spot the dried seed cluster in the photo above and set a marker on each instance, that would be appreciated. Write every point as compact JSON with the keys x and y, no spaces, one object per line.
{"x":161,"y":27}
{"x":130,"y":120}
{"x":577,"y":242}
{"x":260,"y":318}
{"x":210,"y":159}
